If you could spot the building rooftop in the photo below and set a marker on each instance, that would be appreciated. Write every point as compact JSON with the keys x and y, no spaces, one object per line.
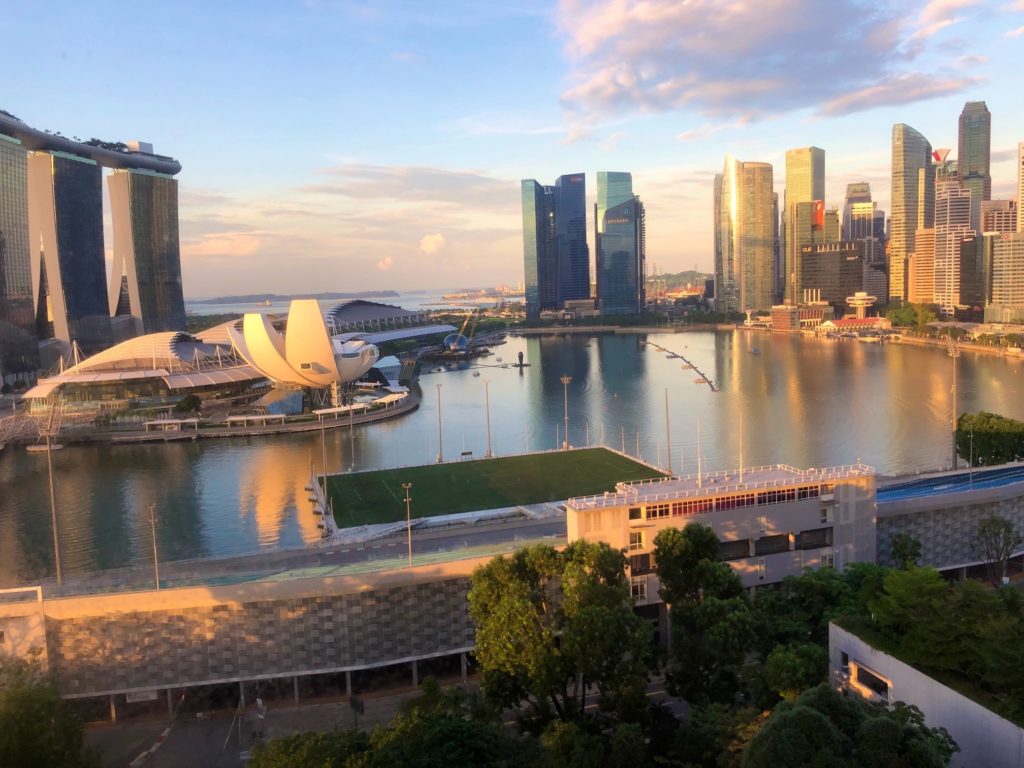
{"x":716,"y":483}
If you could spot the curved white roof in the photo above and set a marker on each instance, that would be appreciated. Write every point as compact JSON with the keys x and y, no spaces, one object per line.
{"x":154,"y":350}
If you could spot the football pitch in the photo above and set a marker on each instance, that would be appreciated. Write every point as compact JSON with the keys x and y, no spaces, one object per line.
{"x":364,"y":498}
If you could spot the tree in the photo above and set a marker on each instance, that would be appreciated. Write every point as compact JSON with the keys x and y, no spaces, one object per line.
{"x":713,"y":627}
{"x":996,"y":540}
{"x":333,"y":749}
{"x":790,"y":669}
{"x":987,"y":439}
{"x":906,"y":550}
{"x":36,"y":728}
{"x":549,"y":623}
{"x":188,"y":404}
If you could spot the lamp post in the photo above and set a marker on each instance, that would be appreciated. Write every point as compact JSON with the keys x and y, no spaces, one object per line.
{"x":565,"y":398}
{"x":440,"y":448}
{"x":668,"y":435}
{"x":954,"y":353}
{"x":487,"y":409}
{"x":51,"y":429}
{"x":156,"y":557}
{"x":408,"y":519}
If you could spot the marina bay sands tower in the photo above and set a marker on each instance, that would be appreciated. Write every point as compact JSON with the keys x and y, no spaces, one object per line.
{"x":53,"y":275}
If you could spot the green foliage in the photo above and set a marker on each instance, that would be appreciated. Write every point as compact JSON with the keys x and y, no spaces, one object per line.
{"x":36,"y":728}
{"x":188,"y":404}
{"x":910,"y":315}
{"x":906,"y":550}
{"x":997,"y":539}
{"x":713,"y":627}
{"x":715,"y":736}
{"x":790,"y":669}
{"x":334,"y":749}
{"x":822,"y":729}
{"x":549,"y":622}
{"x":986,"y":439}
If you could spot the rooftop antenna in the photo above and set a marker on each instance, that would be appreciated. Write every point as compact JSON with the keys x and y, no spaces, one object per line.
{"x":698,"y":454}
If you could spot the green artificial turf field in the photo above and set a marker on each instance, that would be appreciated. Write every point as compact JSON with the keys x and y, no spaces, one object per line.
{"x":364,"y":498}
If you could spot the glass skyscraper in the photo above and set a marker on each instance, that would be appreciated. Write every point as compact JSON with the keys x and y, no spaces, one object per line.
{"x":620,"y":226}
{"x":913,"y":195}
{"x":556,"y":258}
{"x":19,"y":351}
{"x":973,"y":156}
{"x":952,"y":228}
{"x":146,"y":278}
{"x":805,"y":183}
{"x":66,"y":224}
{"x":744,"y":237}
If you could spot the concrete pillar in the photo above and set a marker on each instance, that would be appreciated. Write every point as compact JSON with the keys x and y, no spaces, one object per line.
{"x":170,"y":703}
{"x":348,"y":684}
{"x":113,"y":709}
{"x":465,"y":665}
{"x":295,"y":685}
{"x":415,"y":676}
{"x":241,"y":693}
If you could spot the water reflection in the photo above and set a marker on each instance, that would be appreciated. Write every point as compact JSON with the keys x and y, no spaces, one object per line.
{"x":802,"y":401}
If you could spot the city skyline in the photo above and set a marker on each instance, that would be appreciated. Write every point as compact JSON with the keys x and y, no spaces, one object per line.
{"x":400,"y":181}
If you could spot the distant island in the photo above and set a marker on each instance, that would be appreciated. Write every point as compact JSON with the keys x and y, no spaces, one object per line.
{"x":256,"y":298}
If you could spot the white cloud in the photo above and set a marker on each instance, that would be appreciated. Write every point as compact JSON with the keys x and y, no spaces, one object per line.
{"x":432,"y":244}
{"x":731,"y":58}
{"x":897,"y":90}
{"x":1015,"y":32}
{"x":385,"y":264}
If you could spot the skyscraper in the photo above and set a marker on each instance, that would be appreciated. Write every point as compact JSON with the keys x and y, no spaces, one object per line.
{"x":952,"y":226}
{"x":861,"y":216}
{"x":1006,"y":276}
{"x":556,"y":258}
{"x":744,"y":237}
{"x":805,"y":183}
{"x":19,"y":353}
{"x":1020,"y":187}
{"x":999,"y":216}
{"x":857,"y":193}
{"x":146,"y":279}
{"x":973,"y":155}
{"x":619,"y":221}
{"x":913,"y":185}
{"x":921,"y":268}
{"x":65,"y":216}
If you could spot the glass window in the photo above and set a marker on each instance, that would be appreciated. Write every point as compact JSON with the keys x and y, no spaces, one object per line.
{"x":635,"y":513}
{"x":638,"y":587}
{"x":636,"y":540}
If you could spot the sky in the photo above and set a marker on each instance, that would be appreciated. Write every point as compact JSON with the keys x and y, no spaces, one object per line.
{"x":356,"y":146}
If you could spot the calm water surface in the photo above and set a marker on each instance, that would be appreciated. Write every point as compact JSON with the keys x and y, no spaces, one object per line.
{"x":802,"y":402}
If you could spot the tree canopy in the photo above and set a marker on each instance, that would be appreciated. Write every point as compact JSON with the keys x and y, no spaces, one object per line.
{"x":986,"y":439}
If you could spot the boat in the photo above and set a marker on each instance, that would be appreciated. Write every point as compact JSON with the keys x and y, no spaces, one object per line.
{"x":755,"y":351}
{"x":42,"y":448}
{"x":476,"y":373}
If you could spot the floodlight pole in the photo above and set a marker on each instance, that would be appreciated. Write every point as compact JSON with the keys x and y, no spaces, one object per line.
{"x":53,"y":509}
{"x":323,"y":451}
{"x":668,"y":435}
{"x":440,"y":448}
{"x":954,"y":353}
{"x":408,"y":519}
{"x":565,"y":397}
{"x":156,"y":557}
{"x":487,"y":409}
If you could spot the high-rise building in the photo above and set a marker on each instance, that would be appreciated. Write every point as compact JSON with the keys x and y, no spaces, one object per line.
{"x":1020,"y":187}
{"x":952,"y":225}
{"x":805,"y":182}
{"x":65,"y":216}
{"x":1007,"y":279}
{"x":620,"y":259}
{"x":744,"y":235}
{"x":832,"y":272}
{"x":857,"y":194}
{"x":540,"y":259}
{"x":571,"y":236}
{"x":973,"y":280}
{"x":973,"y":155}
{"x":921,"y":268}
{"x":778,"y":256}
{"x":19,"y":352}
{"x":999,"y":216}
{"x":145,"y":281}
{"x":913,"y":184}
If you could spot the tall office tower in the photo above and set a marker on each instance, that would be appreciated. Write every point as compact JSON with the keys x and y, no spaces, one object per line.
{"x":832,"y":230}
{"x":1020,"y":187}
{"x":778,"y":265}
{"x":620,"y":226}
{"x":65,"y":218}
{"x":555,"y":254}
{"x":972,"y":274}
{"x":725,"y":284}
{"x":921,"y":268}
{"x":805,"y":182}
{"x":1007,"y":279}
{"x":972,"y":155}
{"x":745,"y":231}
{"x":145,"y":281}
{"x":858,"y":193}
{"x":19,"y":351}
{"x":832,"y":271}
{"x":876,"y":278}
{"x":913,"y":183}
{"x":952,"y":225}
{"x":999,"y":216}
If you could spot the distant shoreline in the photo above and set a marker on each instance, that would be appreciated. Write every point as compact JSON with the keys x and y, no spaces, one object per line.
{"x":327,"y":296}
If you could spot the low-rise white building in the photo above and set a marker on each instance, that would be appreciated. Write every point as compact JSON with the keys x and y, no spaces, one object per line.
{"x":773,"y":521}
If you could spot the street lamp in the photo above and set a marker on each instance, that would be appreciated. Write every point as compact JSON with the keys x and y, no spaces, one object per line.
{"x":487,"y":409}
{"x":565,"y":398}
{"x":954,"y":353}
{"x":440,"y":449}
{"x":156,"y":558}
{"x":408,"y":519}
{"x":52,"y":428}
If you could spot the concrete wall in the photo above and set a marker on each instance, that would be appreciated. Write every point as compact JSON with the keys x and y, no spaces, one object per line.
{"x":946,"y":525}
{"x":986,"y":740}
{"x":172,"y":638}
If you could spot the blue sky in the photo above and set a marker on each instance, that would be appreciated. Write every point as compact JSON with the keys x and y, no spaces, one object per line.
{"x":353,"y":146}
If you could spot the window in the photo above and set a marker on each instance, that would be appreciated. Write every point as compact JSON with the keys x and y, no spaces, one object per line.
{"x":655,"y":511}
{"x":828,"y":559}
{"x":844,"y":659}
{"x":827,"y":488}
{"x":761,"y":571}
{"x":634,"y":513}
{"x":814,"y":539}
{"x":872,"y":681}
{"x":640,"y":564}
{"x":638,"y":587}
{"x":769,"y":545}
{"x":828,"y":513}
{"x":636,"y":540}
{"x":764,"y":522}
{"x":734,"y":550}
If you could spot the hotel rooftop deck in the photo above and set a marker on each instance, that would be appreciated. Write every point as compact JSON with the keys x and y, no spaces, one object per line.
{"x":716,"y":483}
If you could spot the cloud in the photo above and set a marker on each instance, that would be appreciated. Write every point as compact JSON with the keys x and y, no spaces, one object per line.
{"x":385,"y":264}
{"x":496,"y":124}
{"x":432,"y":244}
{"x":1002,"y":155}
{"x":612,"y":140}
{"x":1015,"y":32}
{"x":731,"y":59}
{"x":224,"y":245}
{"x":897,"y":90}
